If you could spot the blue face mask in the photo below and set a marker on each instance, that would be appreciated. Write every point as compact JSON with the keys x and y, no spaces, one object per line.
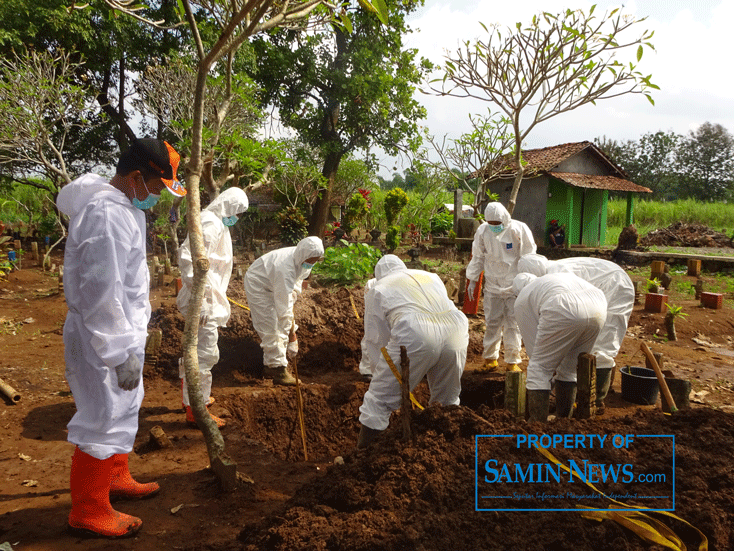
{"x":230,"y":220}
{"x":496,"y":229}
{"x":307,"y":266}
{"x":147,"y":203}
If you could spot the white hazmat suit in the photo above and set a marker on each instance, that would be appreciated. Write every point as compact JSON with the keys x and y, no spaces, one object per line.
{"x":272,"y":283}
{"x":215,"y":308}
{"x":560,"y":316}
{"x":497,"y":255}
{"x":411,"y":309}
{"x":605,"y":276}
{"x":377,"y":331}
{"x":106,"y":284}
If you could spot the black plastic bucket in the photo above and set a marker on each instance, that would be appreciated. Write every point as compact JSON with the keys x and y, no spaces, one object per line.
{"x":639,"y":385}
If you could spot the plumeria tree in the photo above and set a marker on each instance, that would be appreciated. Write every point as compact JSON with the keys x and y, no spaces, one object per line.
{"x":553,"y":65}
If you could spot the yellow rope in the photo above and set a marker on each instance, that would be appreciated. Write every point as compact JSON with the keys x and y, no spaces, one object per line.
{"x":645,"y":526}
{"x":238,"y":304}
{"x":354,"y":307}
{"x":395,"y":372}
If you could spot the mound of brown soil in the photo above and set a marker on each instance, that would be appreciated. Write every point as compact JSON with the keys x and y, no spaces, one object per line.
{"x":680,"y":234}
{"x":394,"y":496}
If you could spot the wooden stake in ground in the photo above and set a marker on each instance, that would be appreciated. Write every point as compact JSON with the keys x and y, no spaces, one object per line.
{"x":661,"y":378}
{"x":299,"y":402}
{"x":406,"y":408}
{"x":586,"y":386}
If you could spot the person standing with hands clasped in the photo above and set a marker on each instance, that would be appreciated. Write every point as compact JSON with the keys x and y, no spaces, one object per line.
{"x":272,"y":284}
{"x":106,"y":283}
{"x":215,"y":310}
{"x":498,"y":244}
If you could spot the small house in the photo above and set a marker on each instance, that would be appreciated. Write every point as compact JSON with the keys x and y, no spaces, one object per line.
{"x":569,"y":183}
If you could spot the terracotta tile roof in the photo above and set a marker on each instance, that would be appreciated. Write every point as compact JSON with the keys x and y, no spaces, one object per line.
{"x":599,"y":182}
{"x":545,"y":160}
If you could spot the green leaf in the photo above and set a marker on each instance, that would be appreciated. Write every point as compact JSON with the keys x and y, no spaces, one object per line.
{"x":344,"y":17}
{"x":649,"y":98}
{"x":382,"y":11}
{"x":639,"y":52}
{"x":591,"y":11}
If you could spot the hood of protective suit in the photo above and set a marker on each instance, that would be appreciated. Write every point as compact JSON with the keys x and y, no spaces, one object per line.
{"x":497,"y":211}
{"x":230,"y":202}
{"x":535,"y":264}
{"x":521,"y":281}
{"x":310,"y":247}
{"x":76,"y":195}
{"x":387,"y":265}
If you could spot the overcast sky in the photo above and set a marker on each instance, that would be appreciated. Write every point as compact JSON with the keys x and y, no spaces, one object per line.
{"x":691,"y":64}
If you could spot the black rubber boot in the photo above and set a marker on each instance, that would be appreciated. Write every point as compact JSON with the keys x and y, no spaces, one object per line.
{"x":565,"y":399}
{"x":538,"y":404}
{"x":603,"y":382}
{"x":366,"y":435}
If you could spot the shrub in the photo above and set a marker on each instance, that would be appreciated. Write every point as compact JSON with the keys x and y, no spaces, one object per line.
{"x":395,"y":201}
{"x":293,"y":225}
{"x":392,"y":239}
{"x":442,"y":223}
{"x":357,"y":209}
{"x":346,"y":265}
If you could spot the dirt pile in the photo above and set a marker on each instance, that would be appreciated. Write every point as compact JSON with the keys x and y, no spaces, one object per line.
{"x":681,"y":234}
{"x":422,"y":496}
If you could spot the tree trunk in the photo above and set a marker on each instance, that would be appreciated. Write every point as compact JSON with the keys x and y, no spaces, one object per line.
{"x":670,"y":327}
{"x":323,"y":200}
{"x":518,"y":161}
{"x":194,"y":168}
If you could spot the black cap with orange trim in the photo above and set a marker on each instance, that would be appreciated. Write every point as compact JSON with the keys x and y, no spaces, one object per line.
{"x":155,"y":158}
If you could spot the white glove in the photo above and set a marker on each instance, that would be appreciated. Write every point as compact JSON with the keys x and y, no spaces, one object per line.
{"x":128,"y":373}
{"x":203,"y":320}
{"x":470,"y":288}
{"x":292,"y":350}
{"x":294,"y":294}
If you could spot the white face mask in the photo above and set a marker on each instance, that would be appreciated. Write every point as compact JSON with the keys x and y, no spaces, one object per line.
{"x":496,"y":228}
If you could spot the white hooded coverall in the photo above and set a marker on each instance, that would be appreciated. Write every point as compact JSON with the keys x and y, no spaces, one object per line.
{"x":370,"y":349}
{"x":106,"y":284}
{"x":270,"y":283}
{"x":215,"y":308}
{"x":560,"y":317}
{"x":605,"y":276}
{"x":497,"y":254}
{"x":412,"y":309}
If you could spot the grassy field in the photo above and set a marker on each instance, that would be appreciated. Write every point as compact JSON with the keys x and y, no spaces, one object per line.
{"x":650,"y":215}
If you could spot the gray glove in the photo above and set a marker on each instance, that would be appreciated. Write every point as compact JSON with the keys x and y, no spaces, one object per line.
{"x":470,"y":288}
{"x":128,"y":373}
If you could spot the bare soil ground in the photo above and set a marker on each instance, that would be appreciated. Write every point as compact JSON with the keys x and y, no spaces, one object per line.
{"x":394,"y":495}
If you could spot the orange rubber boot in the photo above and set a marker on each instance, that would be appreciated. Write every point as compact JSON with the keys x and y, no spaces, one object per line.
{"x":209,"y":402}
{"x":124,"y":486}
{"x":91,"y":511}
{"x":191,"y":420}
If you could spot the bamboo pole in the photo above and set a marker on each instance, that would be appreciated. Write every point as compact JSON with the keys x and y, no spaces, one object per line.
{"x":299,"y":402}
{"x":12,"y":394}
{"x":661,"y":378}
{"x":406,"y":408}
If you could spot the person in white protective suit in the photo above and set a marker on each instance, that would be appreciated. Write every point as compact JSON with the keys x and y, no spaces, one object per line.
{"x":560,"y":316}
{"x":215,"y":310}
{"x":411,"y":308}
{"x":620,"y":295}
{"x":498,"y":244}
{"x":106,"y":284}
{"x":379,"y":332}
{"x":272,"y":284}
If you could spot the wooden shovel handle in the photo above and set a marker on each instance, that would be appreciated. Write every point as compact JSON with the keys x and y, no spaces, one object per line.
{"x":661,"y":378}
